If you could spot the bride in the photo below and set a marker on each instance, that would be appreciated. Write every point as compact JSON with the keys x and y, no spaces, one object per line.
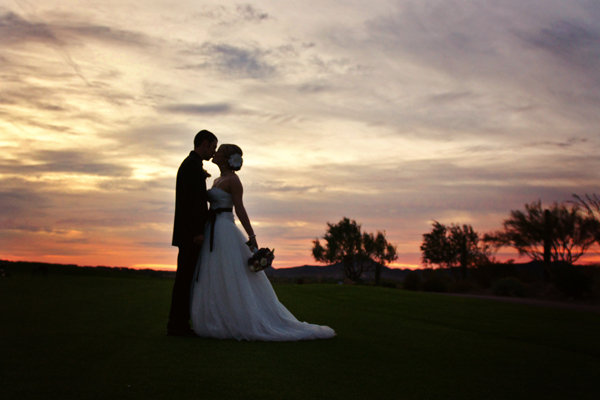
{"x":228,"y":299}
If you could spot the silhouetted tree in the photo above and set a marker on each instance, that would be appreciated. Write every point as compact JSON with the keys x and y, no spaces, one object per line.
{"x":344,"y":244}
{"x":558,"y":233}
{"x":591,"y":205}
{"x":380,"y":250}
{"x":436,"y":247}
{"x":454,"y":246}
{"x":357,"y":251}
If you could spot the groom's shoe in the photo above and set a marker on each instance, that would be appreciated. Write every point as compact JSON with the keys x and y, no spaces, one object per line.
{"x":185,"y":332}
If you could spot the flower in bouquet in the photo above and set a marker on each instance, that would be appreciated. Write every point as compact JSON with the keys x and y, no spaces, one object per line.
{"x":261,"y":259}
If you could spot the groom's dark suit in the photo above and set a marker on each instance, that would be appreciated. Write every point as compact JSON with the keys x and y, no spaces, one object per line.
{"x":191,"y":212}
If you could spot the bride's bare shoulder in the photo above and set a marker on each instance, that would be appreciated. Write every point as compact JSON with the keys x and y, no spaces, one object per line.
{"x":235,"y":183}
{"x":230,"y":184}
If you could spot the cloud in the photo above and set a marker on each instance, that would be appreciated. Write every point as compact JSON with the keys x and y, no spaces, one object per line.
{"x":445,"y":98}
{"x":16,"y":200}
{"x":232,"y":15}
{"x":18,"y":30}
{"x":35,"y":97}
{"x":15,"y":28}
{"x":157,"y":245}
{"x":201,"y":109}
{"x":84,"y":32}
{"x":562,"y":144}
{"x":571,"y":41}
{"x":162,"y":140}
{"x":231,"y":60}
{"x":417,"y":190}
{"x":60,"y":212}
{"x":249,"y":13}
{"x":282,"y":187}
{"x":395,"y":114}
{"x":500,"y":58}
{"x":71,"y":161}
{"x":77,"y":161}
{"x":96,"y":222}
{"x":131,"y":185}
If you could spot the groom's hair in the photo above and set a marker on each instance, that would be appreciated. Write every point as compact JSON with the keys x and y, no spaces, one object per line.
{"x":204,"y":136}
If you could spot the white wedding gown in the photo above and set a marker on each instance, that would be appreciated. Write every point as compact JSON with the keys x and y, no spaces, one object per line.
{"x":229,"y":300}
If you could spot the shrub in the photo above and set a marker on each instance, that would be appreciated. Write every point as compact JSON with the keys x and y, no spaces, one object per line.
{"x":486,"y":274}
{"x":389,"y":284}
{"x":463,"y":286}
{"x":412,"y":281}
{"x":572,"y":281}
{"x":508,"y":287}
{"x":435,"y":283}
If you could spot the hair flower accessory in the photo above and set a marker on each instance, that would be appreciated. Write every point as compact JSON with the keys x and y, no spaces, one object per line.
{"x":235,"y":161}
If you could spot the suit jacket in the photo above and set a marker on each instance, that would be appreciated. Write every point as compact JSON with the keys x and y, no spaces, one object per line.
{"x":191,"y":210}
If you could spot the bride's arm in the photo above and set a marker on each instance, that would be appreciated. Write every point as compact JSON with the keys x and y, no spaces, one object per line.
{"x":237,"y":192}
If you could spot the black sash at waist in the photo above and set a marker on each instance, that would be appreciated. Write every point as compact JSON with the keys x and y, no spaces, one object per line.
{"x":212,"y":218}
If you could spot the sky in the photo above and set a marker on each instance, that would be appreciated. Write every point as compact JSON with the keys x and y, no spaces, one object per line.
{"x":391,"y":113}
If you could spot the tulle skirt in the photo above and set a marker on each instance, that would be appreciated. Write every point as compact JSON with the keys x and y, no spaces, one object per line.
{"x":230,"y":301}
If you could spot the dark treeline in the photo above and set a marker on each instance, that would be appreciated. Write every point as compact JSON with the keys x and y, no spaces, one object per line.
{"x":553,"y":237}
{"x":10,"y":268}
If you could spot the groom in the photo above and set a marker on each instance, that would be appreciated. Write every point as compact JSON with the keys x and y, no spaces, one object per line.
{"x":191,"y":212}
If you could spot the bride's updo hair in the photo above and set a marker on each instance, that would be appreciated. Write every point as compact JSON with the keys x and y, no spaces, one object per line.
{"x":233,"y":154}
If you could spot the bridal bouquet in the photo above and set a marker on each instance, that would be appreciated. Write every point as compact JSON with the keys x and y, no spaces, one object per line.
{"x":261,"y":259}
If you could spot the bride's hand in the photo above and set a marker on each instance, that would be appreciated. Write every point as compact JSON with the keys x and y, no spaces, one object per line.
{"x":253,"y":242}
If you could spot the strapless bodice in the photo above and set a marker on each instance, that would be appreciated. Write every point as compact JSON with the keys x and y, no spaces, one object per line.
{"x":219,"y":198}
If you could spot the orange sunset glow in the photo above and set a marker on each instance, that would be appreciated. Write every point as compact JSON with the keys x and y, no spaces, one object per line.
{"x":391,"y":113}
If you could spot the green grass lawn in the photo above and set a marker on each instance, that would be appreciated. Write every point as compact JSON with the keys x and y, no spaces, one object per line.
{"x":82,"y":337}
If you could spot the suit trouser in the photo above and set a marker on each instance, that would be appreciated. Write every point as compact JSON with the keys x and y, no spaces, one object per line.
{"x":179,"y":315}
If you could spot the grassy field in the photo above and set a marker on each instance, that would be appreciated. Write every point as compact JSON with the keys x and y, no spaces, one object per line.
{"x":102,"y":337}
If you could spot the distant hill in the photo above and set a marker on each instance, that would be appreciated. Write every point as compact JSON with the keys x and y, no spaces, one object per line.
{"x":533,"y":270}
{"x":331,"y":272}
{"x":38,"y":268}
{"x":305,"y":272}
